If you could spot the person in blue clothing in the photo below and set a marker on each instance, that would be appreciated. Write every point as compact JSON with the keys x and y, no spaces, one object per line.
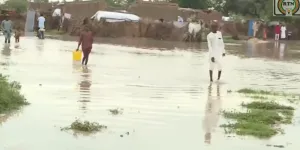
{"x":6,"y":26}
{"x":41,"y":26}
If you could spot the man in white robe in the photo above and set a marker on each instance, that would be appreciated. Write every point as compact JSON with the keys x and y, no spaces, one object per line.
{"x":283,"y":32}
{"x":216,"y":48}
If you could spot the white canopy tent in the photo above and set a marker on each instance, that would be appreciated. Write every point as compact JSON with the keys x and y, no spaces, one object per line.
{"x":115,"y":16}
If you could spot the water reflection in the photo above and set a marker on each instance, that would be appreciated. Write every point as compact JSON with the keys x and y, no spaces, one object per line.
{"x":282,"y":48}
{"x":40,"y":45}
{"x":249,"y":48}
{"x":85,"y":85}
{"x":6,"y":51}
{"x":77,"y":67}
{"x":5,"y":117}
{"x":212,"y":109}
{"x":273,"y":50}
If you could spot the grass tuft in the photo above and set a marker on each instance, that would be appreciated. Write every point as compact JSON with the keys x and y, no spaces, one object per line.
{"x":10,"y":96}
{"x":260,"y":92}
{"x":262,"y":118}
{"x":85,"y":126}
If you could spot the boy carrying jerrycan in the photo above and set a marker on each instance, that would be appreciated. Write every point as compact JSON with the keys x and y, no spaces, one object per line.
{"x":86,"y":41}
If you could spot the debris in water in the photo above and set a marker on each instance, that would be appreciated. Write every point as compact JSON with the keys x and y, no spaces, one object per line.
{"x":85,"y":126}
{"x":127,"y":133}
{"x":121,"y":135}
{"x":116,"y":111}
{"x":278,"y":146}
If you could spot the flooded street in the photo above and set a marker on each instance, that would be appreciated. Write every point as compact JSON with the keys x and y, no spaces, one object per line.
{"x":164,"y":94}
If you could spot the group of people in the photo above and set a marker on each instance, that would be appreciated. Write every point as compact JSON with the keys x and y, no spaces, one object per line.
{"x":216,"y":46}
{"x":280,"y":32}
{"x":214,"y":38}
{"x":7,"y":29}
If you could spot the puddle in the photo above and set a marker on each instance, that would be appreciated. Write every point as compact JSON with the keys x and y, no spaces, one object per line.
{"x":163,"y":94}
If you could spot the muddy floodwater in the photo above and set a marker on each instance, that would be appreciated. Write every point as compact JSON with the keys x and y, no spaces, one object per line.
{"x":162,"y":88}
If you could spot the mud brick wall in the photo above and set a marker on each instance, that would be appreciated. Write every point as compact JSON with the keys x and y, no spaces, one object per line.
{"x":157,"y":10}
{"x":144,"y":28}
{"x":206,"y":16}
{"x":76,"y":9}
{"x":84,"y":8}
{"x":40,"y":6}
{"x":170,"y":11}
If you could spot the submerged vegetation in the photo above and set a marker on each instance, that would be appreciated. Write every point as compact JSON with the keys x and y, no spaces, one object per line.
{"x":85,"y":126}
{"x":262,"y":116}
{"x":10,"y":96}
{"x":262,"y":92}
{"x":116,"y":111}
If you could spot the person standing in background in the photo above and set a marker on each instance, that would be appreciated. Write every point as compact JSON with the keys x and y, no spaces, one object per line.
{"x":216,"y":48}
{"x":255,"y":28}
{"x":265,"y":31}
{"x":180,"y":19}
{"x":6,"y":26}
{"x":41,"y":26}
{"x":277,"y":31}
{"x":283,"y":32}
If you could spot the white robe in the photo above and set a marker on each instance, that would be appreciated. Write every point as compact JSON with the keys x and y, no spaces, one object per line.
{"x":283,"y":30}
{"x":216,"y":48}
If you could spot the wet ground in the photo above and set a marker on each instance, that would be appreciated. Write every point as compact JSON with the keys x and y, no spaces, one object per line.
{"x":162,"y":86}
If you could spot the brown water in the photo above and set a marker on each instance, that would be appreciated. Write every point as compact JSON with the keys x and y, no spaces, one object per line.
{"x":164,"y":94}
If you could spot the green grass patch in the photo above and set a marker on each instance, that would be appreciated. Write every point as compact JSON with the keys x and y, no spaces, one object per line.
{"x":259,"y":92}
{"x":260,"y":120}
{"x":85,"y":126}
{"x":266,"y":106}
{"x":10,"y":96}
{"x":258,"y":97}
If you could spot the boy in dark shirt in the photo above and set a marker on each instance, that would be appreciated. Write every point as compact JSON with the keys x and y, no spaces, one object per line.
{"x":17,"y":35}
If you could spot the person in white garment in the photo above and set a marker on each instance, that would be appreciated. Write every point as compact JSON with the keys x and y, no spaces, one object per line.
{"x":179,"y":19}
{"x":283,"y":32}
{"x":216,"y":48}
{"x":212,"y":111}
{"x":41,"y":26}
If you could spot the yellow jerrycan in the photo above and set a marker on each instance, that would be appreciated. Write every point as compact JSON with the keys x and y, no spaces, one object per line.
{"x":77,"y":55}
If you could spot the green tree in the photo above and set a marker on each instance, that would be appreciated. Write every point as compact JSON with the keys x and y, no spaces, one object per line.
{"x":195,"y":4}
{"x":252,"y":8}
{"x":17,"y":5}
